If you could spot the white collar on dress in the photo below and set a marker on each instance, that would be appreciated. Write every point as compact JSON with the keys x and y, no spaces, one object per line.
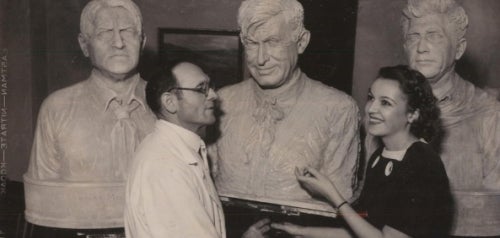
{"x":394,"y":154}
{"x":398,"y":154}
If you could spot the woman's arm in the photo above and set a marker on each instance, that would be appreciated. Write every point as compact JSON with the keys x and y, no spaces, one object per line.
{"x":363,"y":228}
{"x":312,"y":232}
{"x":319,"y":184}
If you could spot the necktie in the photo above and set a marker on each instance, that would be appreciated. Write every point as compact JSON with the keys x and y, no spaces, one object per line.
{"x":124,"y":138}
{"x":266,"y":116}
{"x":216,"y":206}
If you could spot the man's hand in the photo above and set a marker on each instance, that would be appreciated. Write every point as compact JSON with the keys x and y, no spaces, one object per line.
{"x":292,"y":229}
{"x":258,"y":230}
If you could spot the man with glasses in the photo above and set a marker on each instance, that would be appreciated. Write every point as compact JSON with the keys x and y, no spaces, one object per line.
{"x":87,"y":133}
{"x":170,"y":192}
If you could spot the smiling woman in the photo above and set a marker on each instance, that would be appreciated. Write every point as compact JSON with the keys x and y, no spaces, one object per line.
{"x":396,"y":104}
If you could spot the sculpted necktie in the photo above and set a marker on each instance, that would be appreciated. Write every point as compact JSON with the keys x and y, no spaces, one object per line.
{"x":266,"y":115}
{"x":124,"y":138}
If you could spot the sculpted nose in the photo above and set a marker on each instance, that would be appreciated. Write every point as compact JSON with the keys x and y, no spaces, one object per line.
{"x":422,"y":46}
{"x":262,"y":55}
{"x":117,"y":40}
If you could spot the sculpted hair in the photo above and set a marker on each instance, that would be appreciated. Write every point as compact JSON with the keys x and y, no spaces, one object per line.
{"x":420,"y":97}
{"x":256,"y":12}
{"x":161,"y":81}
{"x":420,"y":8}
{"x":90,"y":11}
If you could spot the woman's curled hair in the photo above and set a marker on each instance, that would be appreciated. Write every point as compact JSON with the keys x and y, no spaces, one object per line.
{"x":420,"y":97}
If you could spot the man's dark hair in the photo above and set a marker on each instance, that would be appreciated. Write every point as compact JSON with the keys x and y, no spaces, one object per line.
{"x":161,"y":81}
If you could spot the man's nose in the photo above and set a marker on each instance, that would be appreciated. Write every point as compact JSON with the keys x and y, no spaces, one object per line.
{"x":262,"y":54}
{"x":212,"y":95}
{"x":117,"y":40}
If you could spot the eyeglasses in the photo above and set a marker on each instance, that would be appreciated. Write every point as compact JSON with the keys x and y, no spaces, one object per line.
{"x":203,"y":89}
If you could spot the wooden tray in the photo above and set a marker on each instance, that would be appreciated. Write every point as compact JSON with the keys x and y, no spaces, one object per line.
{"x":293,"y":208}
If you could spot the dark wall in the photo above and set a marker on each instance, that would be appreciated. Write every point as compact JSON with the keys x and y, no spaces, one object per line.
{"x":330,"y":54}
{"x":16,"y":115}
{"x":65,"y":63}
{"x":379,"y":43}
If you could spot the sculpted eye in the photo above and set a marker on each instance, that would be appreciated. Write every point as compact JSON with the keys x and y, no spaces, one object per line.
{"x":412,"y":38}
{"x":250,"y":43}
{"x":105,"y":34}
{"x":273,"y":42}
{"x":434,"y":36}
{"x":128,"y":32}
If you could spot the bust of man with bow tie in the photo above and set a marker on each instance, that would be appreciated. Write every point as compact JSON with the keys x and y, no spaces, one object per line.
{"x":279,"y":118}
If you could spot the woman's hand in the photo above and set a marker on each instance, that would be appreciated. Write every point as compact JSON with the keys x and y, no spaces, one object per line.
{"x":318,"y":184}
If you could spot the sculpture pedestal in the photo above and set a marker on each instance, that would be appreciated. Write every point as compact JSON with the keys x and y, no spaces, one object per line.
{"x":74,"y":205}
{"x":476,"y":213}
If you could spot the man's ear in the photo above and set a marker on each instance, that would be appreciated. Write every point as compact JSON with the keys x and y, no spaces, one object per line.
{"x":83,"y":41}
{"x":413,"y":116}
{"x":169,"y":102}
{"x":461,"y":46}
{"x":303,"y":41}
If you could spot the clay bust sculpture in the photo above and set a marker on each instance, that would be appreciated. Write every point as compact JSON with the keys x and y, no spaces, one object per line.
{"x":279,"y":118}
{"x":87,"y":133}
{"x":434,"y":33}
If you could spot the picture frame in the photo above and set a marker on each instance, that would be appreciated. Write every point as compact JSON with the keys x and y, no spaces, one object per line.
{"x":218,"y":52}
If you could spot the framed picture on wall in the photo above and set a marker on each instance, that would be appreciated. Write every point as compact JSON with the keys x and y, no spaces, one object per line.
{"x":218,"y":52}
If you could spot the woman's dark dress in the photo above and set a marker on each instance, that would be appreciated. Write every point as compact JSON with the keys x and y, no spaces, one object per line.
{"x":413,"y":198}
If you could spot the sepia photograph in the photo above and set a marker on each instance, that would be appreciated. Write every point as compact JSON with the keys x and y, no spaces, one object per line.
{"x":249,"y":118}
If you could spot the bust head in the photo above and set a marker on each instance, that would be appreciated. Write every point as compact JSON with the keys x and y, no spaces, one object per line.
{"x":273,"y":34}
{"x":90,"y":11}
{"x":434,"y":33}
{"x":111,"y":36}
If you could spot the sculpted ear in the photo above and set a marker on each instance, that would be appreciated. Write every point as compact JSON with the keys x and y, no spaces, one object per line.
{"x":143,"y":43}
{"x":83,"y":41}
{"x":304,"y":39}
{"x":461,"y":46}
{"x":405,"y":48}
